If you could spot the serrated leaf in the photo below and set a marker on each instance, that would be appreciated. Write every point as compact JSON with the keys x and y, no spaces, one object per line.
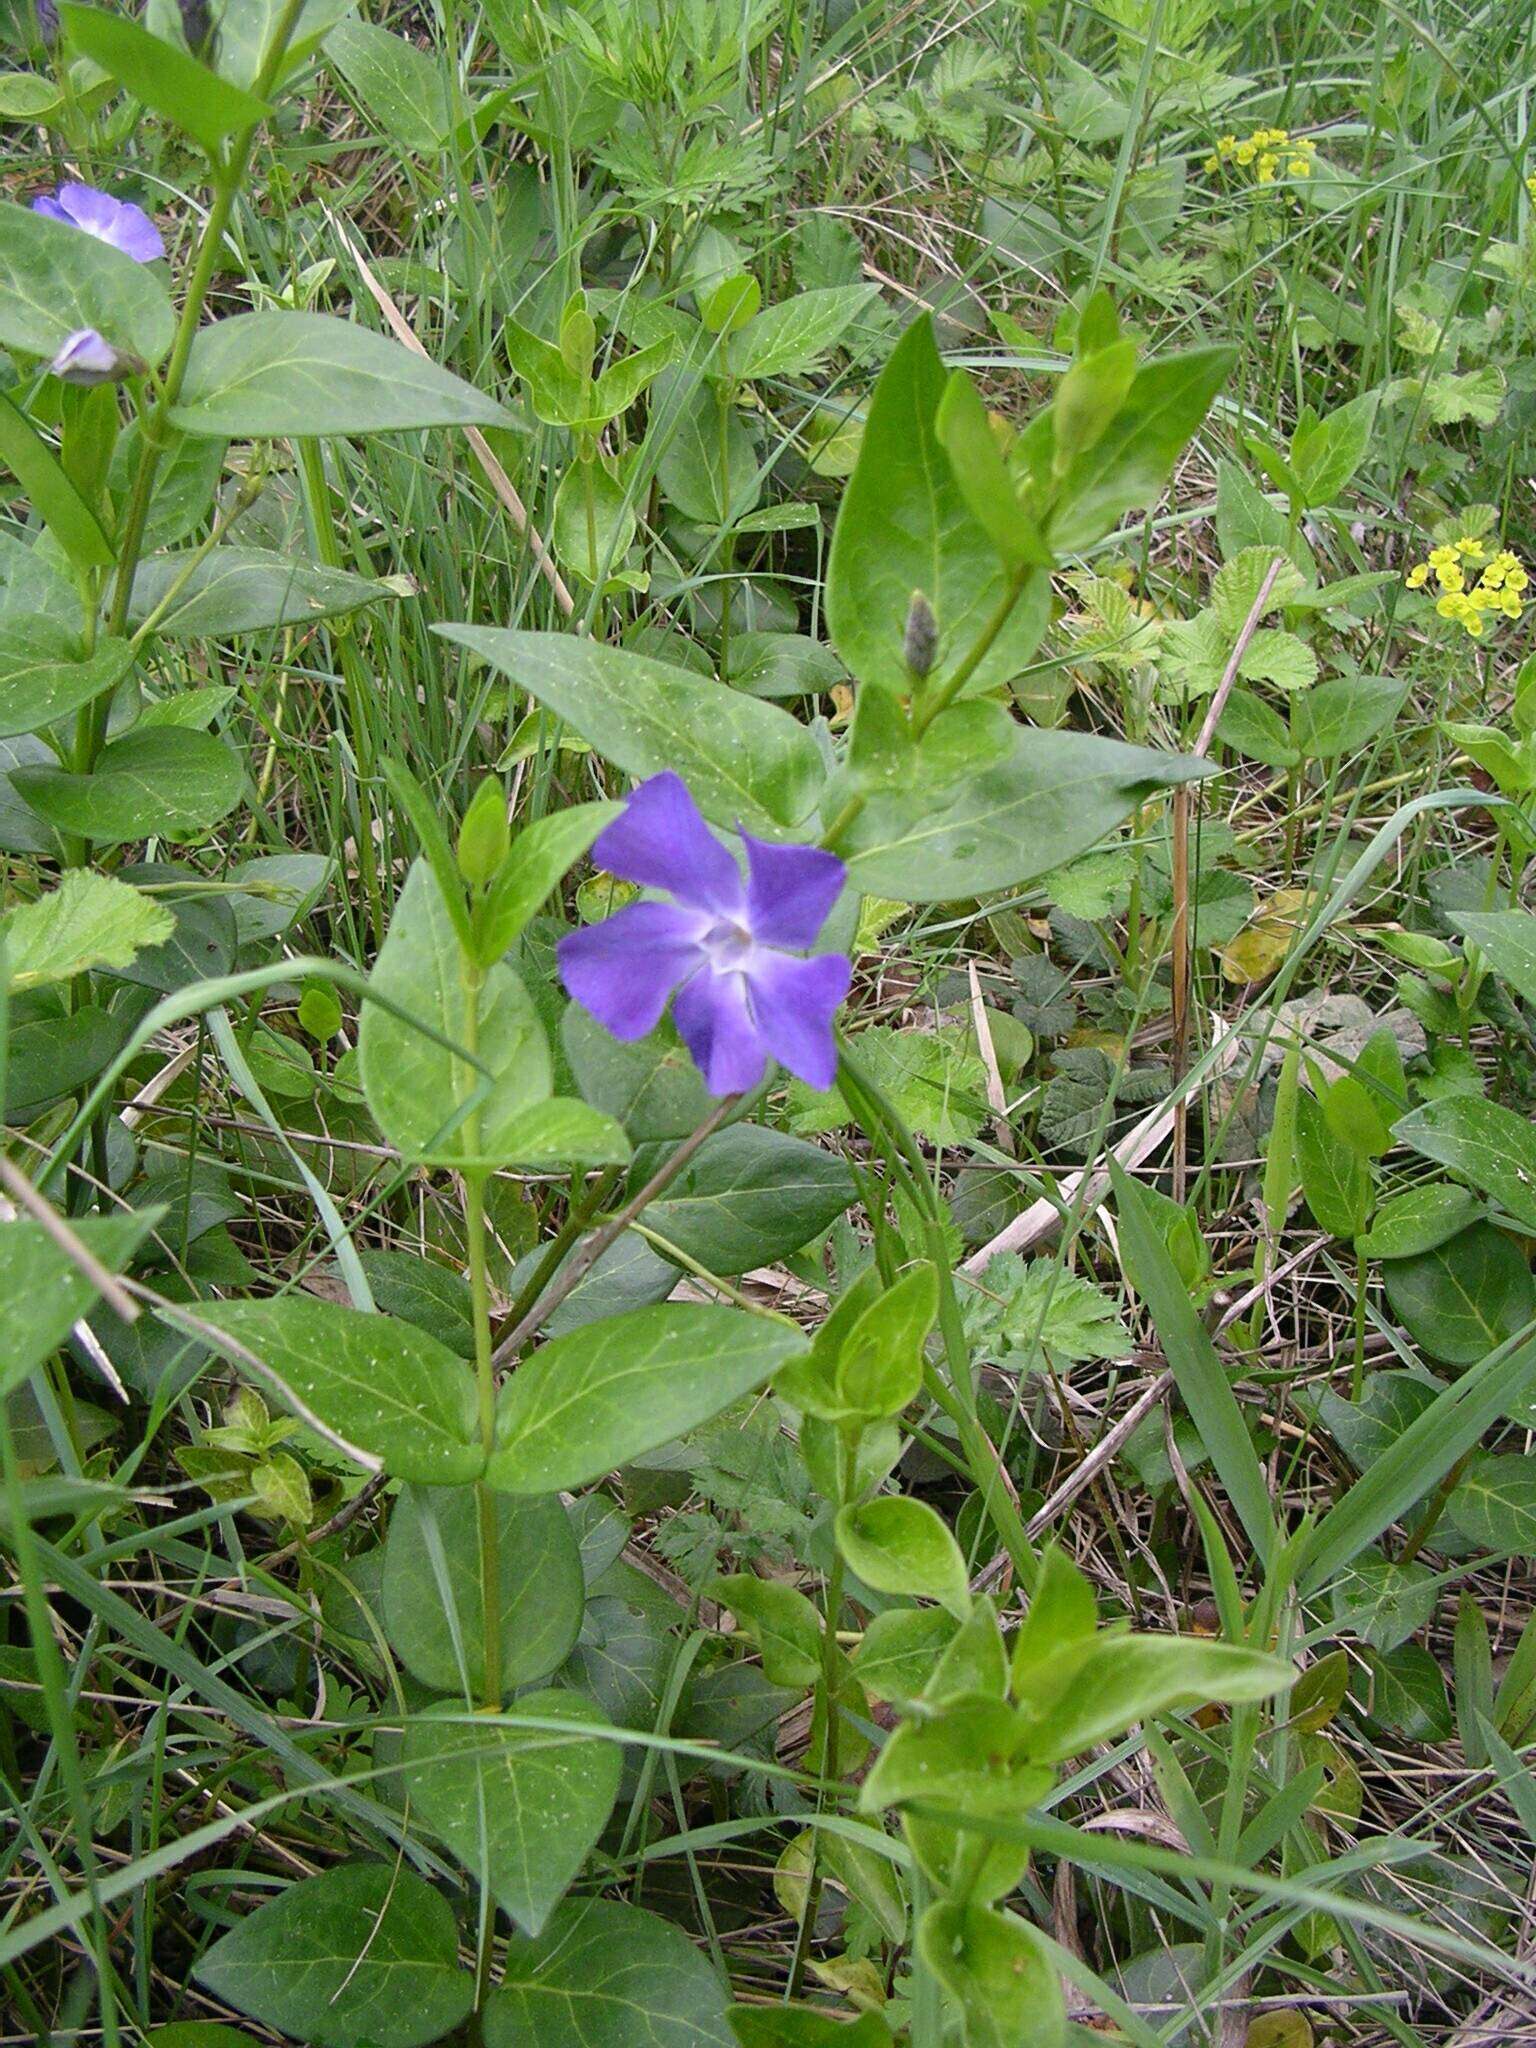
{"x":90,"y":920}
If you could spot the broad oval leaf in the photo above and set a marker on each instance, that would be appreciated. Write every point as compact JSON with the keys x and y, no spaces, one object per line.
{"x":46,"y":1292}
{"x":1464,"y":1298}
{"x":1489,"y":1146}
{"x":383,"y":1386}
{"x":261,"y":375}
{"x":43,"y":675}
{"x":519,"y":1807}
{"x":157,"y":781}
{"x":363,"y":1956}
{"x":54,"y":280}
{"x":746,"y":762}
{"x":749,"y":1196}
{"x":170,"y":79}
{"x":1053,"y":797}
{"x":605,"y":1975}
{"x":432,"y":1602}
{"x":998,"y":1972}
{"x":416,"y":1086}
{"x":1494,"y":1504}
{"x":599,"y":1396}
{"x":899,"y":1545}
{"x":904,"y":525}
{"x":243,"y":590}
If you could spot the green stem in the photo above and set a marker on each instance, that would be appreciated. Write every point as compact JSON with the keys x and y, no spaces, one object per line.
{"x":485,"y":1390}
{"x":826,"y":1713}
{"x":228,"y":178}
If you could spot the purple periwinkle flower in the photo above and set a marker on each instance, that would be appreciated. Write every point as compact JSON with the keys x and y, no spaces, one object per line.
{"x":47,"y":22}
{"x":726,"y":950}
{"x":116,"y":222}
{"x":88,"y":358}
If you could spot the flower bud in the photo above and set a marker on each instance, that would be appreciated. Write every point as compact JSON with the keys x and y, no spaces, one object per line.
{"x":920,"y":642}
{"x":47,"y":22}
{"x":483,"y":836}
{"x":197,"y":26}
{"x":88,"y":358}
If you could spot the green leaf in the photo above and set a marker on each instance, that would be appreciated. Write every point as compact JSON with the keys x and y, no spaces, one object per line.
{"x":1334,"y":1177}
{"x":1063,"y":1610}
{"x":383,"y":1386}
{"x":432,"y":1598}
{"x":247,"y":32}
{"x":1056,"y":795}
{"x":1238,"y":584}
{"x":160,"y":781}
{"x":1407,"y":1693}
{"x":1507,"y":939}
{"x":170,"y":80}
{"x":1128,"y":467}
{"x":601,"y":1395}
{"x":1418,"y":1220}
{"x":52,"y":1057}
{"x":899,"y":1650}
{"x":782,"y":1622}
{"x":519,"y":1807}
{"x":45,"y":1292}
{"x":1384,"y":1602}
{"x":745,"y":761}
{"x":44,"y":677}
{"x":1197,"y":1370}
{"x":899,"y":1545}
{"x":1325,"y":453}
{"x":54,"y":280}
{"x":966,"y":1758}
{"x":54,"y":498}
{"x":1099,"y":1686}
{"x":804,"y":2026}
{"x":90,"y":920}
{"x":403,"y":88}
{"x":997,"y":1971}
{"x":1256,"y":730}
{"x":749,"y":1196}
{"x":605,"y":1975}
{"x":262,"y":376}
{"x":243,"y":590}
{"x":1343,"y":715}
{"x":787,"y":339}
{"x":1493,"y":1505}
{"x":904,"y":525}
{"x":652,"y":1087}
{"x":418,"y":1089}
{"x":1464,"y":1298}
{"x":540,"y":857}
{"x":1491,"y":1147}
{"x":363,"y":1956}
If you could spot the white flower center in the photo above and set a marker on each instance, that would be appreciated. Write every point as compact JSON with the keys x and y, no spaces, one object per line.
{"x":728,"y":946}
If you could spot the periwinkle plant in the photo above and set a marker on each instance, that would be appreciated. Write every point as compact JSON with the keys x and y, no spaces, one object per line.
{"x":491,"y":1462}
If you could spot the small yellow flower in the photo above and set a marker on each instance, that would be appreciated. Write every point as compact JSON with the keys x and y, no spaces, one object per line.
{"x":1245,"y":153}
{"x":1418,"y":576}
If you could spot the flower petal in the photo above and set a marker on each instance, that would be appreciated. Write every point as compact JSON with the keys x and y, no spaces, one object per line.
{"x":114,"y":221}
{"x":624,"y":969}
{"x":793,"y":1002}
{"x":662,"y":841}
{"x":790,"y":891}
{"x":715,"y":1023}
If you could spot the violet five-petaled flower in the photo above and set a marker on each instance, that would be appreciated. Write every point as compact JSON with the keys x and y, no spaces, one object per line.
{"x":726,"y":950}
{"x":117,"y":222}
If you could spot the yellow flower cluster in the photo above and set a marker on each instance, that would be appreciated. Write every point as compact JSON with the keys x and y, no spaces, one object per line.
{"x":1266,"y":150}
{"x":1530,"y":184}
{"x":1500,"y":580}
